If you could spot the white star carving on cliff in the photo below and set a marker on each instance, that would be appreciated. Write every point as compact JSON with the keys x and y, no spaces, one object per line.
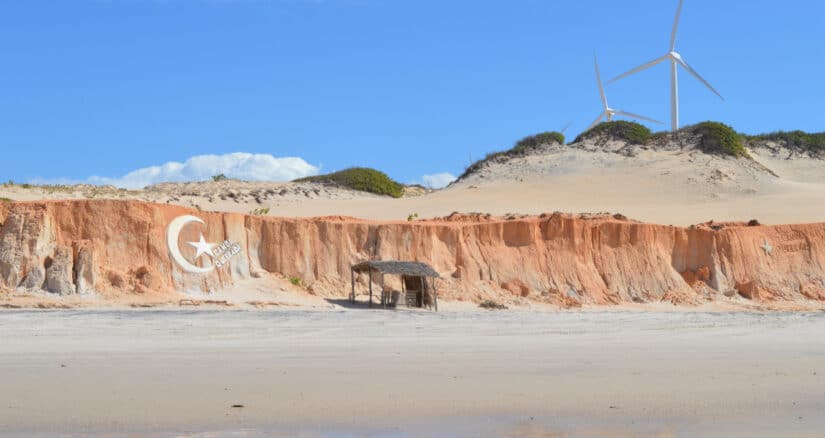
{"x":202,"y":247}
{"x":767,"y":247}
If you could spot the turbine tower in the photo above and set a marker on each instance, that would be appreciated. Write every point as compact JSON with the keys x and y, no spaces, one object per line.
{"x":608,"y":112}
{"x":675,"y":60}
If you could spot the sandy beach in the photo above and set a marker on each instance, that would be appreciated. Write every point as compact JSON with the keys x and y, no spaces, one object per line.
{"x":358,"y":372}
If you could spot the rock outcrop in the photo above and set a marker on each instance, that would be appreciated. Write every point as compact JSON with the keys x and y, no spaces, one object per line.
{"x":118,"y":248}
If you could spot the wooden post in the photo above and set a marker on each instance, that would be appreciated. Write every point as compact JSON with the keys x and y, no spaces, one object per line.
{"x":352,"y":275}
{"x":370,"y":286}
{"x":404,"y":291}
{"x":383,"y":292}
{"x":435,"y":296}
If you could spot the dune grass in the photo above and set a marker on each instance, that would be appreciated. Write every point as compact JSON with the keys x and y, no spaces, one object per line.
{"x":795,"y":139}
{"x":632,"y":132}
{"x":521,"y":148}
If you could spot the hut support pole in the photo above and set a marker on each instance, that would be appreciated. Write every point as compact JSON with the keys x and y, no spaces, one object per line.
{"x":383,"y":293}
{"x":370,"y":287}
{"x":352,"y":275}
{"x":435,"y":296}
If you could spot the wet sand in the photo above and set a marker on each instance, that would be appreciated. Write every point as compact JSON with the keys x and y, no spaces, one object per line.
{"x":384,"y":373}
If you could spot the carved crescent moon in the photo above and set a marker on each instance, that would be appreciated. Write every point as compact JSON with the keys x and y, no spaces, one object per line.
{"x":172,"y":235}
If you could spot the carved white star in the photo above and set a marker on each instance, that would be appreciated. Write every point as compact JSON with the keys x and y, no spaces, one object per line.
{"x":202,"y":247}
{"x":767,"y":247}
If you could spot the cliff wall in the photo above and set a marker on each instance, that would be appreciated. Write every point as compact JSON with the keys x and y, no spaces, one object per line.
{"x":118,"y":248}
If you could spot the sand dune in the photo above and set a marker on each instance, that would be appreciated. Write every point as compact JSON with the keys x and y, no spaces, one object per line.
{"x":677,"y":185}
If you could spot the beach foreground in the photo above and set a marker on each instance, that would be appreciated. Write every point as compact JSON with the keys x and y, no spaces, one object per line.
{"x":393,"y":373}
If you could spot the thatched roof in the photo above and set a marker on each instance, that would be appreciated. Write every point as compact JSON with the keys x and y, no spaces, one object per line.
{"x":398,"y":268}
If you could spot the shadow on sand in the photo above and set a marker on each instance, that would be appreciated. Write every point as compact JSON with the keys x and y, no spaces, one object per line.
{"x":362,"y":304}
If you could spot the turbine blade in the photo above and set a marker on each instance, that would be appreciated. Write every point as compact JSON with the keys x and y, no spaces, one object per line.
{"x":595,"y":123}
{"x":636,"y":116}
{"x":676,"y":26}
{"x":699,"y":77}
{"x":599,"y":80}
{"x":638,"y":69}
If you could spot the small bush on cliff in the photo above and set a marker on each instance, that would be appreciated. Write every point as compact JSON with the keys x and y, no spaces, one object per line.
{"x":259,"y":212}
{"x":220,"y":177}
{"x":622,"y":130}
{"x":520,"y":149}
{"x":5,"y":200}
{"x":719,"y":138}
{"x":796,"y":139}
{"x":296,"y":281}
{"x":362,"y":179}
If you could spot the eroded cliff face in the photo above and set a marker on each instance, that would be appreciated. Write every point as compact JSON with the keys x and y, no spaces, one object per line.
{"x":119,"y":248}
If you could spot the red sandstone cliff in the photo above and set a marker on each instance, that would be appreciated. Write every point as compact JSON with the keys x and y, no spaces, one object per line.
{"x":116,"y":248}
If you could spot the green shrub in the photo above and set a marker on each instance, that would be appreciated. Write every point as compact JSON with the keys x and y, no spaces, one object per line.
{"x":219,"y":177}
{"x":796,"y":139}
{"x":5,"y":200}
{"x":520,"y":149}
{"x":259,"y":212}
{"x":719,"y":138}
{"x":26,"y":186}
{"x":362,"y":179}
{"x":296,"y":281}
{"x":532,"y":142}
{"x":412,"y":217}
{"x":621,"y":130}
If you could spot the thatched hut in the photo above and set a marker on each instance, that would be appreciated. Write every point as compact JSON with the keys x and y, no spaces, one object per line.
{"x":418,"y":288}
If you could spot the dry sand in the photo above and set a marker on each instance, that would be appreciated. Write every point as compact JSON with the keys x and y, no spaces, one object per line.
{"x":665,"y":186}
{"x":357,"y":372}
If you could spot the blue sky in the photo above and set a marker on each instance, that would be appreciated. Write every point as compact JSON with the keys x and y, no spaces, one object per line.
{"x":412,"y":87}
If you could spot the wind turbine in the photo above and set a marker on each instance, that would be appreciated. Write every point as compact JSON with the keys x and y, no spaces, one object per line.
{"x":608,"y":112}
{"x":675,"y":60}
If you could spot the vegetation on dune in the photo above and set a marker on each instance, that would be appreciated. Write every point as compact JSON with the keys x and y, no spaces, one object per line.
{"x":632,"y":132}
{"x":719,"y":138}
{"x":520,"y":149}
{"x":11,"y":183}
{"x":5,"y":200}
{"x":219,"y":177}
{"x":795,"y":139}
{"x":533,"y":142}
{"x":714,"y":137}
{"x":362,"y":179}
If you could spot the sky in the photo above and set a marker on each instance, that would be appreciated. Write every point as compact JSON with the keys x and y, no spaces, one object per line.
{"x":132,"y":92}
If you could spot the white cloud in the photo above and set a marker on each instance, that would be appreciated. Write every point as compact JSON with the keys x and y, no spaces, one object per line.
{"x":438,"y":180}
{"x":239,"y":165}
